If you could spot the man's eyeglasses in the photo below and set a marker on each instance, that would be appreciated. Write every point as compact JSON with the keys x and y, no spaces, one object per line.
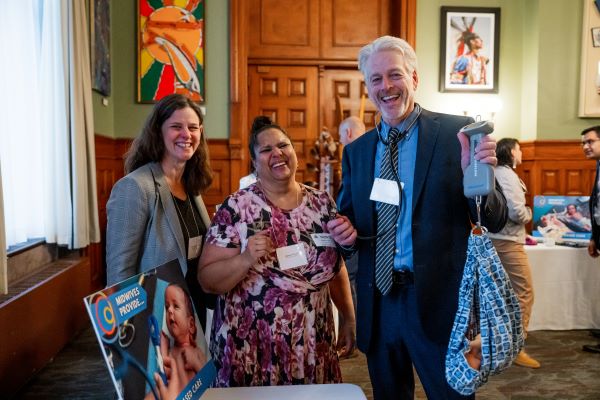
{"x":589,"y":142}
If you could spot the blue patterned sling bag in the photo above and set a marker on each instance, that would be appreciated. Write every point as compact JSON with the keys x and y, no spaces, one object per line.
{"x":487,"y":305}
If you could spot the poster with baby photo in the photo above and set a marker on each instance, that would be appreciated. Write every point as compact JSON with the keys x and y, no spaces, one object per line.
{"x":151,"y":337}
{"x":562,"y":217}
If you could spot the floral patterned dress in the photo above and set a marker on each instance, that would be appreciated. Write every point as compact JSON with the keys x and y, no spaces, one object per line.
{"x":276,"y":327}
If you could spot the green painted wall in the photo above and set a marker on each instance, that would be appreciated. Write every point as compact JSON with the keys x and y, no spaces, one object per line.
{"x":559,"y":58}
{"x":123,"y":117}
{"x":529,"y":20}
{"x":507,"y":118}
{"x":540,"y":47}
{"x":103,"y":115}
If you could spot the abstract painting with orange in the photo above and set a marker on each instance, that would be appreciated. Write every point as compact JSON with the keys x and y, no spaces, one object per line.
{"x":170,"y":49}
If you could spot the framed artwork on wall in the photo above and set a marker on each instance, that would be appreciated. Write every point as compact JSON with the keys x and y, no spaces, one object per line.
{"x":170,"y":49}
{"x":469,"y":48}
{"x":596,"y":37}
{"x":100,"y":40}
{"x":589,"y":76}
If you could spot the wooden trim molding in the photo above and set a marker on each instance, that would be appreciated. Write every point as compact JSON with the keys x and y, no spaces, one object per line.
{"x":407,"y":9}
{"x":238,"y":106}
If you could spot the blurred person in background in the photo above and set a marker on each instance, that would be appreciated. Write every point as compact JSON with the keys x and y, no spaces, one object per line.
{"x":510,"y":240}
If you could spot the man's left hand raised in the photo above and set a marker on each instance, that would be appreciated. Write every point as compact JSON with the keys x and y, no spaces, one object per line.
{"x":485,"y":151}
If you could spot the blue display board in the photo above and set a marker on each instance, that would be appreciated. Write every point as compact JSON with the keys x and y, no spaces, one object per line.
{"x":566,"y":217}
{"x":151,"y":338}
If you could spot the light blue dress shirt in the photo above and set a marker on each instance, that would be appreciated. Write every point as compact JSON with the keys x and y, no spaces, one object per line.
{"x":407,"y":155}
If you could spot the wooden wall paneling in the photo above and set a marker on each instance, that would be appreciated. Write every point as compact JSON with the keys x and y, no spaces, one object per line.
{"x":349,"y":86}
{"x":289,"y":96}
{"x":553,"y":150}
{"x":556,"y":167}
{"x":325,"y":30}
{"x":221,"y":163}
{"x":109,"y":169}
{"x":576,"y":177}
{"x":525,"y":173}
{"x":347,"y":25}
{"x":284,"y":29}
{"x":551,"y":181}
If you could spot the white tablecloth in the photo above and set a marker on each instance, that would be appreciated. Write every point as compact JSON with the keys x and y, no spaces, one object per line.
{"x":566,"y":283}
{"x":342,"y":391}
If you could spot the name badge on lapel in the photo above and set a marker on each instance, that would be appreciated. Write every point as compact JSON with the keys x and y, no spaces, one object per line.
{"x":194,"y":247}
{"x":386,"y":191}
{"x":322,"y":239}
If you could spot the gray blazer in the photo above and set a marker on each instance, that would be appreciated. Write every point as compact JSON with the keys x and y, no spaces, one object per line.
{"x":143,"y":229}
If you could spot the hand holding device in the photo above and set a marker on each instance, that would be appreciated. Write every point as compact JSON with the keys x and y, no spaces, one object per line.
{"x":478,"y":178}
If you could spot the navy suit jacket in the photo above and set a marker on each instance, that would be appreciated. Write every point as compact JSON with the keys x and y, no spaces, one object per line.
{"x":440,"y":222}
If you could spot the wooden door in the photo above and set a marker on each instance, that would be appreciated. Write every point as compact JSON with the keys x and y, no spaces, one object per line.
{"x":341,"y":97}
{"x":347,"y":25}
{"x":289,"y":96}
{"x":283,"y":29}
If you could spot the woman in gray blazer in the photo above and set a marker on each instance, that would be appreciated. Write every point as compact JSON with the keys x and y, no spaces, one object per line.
{"x":155,"y":213}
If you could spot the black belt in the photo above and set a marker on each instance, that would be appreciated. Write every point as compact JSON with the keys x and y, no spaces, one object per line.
{"x":402,"y":277}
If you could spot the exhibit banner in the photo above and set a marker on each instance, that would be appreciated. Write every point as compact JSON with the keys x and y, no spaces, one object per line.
{"x":151,"y":337}
{"x":562,"y":217}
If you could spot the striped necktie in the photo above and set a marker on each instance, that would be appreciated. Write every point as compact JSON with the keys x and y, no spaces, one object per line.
{"x":386,"y":217}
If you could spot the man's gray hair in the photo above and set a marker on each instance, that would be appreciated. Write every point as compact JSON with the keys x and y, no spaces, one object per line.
{"x":385,"y":43}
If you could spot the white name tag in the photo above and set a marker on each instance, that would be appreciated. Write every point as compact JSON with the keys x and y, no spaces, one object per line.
{"x":194,"y":247}
{"x":291,"y":256}
{"x":323,"y":239}
{"x":386,"y":191}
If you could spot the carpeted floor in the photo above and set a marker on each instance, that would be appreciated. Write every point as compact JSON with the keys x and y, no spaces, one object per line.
{"x":79,"y":372}
{"x":566,"y":372}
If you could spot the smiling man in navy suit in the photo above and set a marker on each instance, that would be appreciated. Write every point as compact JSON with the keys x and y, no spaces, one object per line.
{"x":407,"y":323}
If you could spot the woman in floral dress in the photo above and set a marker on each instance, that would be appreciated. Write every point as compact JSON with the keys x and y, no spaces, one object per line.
{"x":276,"y":269}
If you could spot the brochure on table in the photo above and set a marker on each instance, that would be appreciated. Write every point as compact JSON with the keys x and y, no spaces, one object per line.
{"x":562,"y":217}
{"x":142,"y":339}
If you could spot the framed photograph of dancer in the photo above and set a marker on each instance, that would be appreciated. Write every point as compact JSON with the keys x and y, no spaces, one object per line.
{"x":170,"y":49}
{"x":470,"y":43}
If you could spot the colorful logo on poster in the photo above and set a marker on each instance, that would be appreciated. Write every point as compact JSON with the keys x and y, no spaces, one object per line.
{"x":111,"y":311}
